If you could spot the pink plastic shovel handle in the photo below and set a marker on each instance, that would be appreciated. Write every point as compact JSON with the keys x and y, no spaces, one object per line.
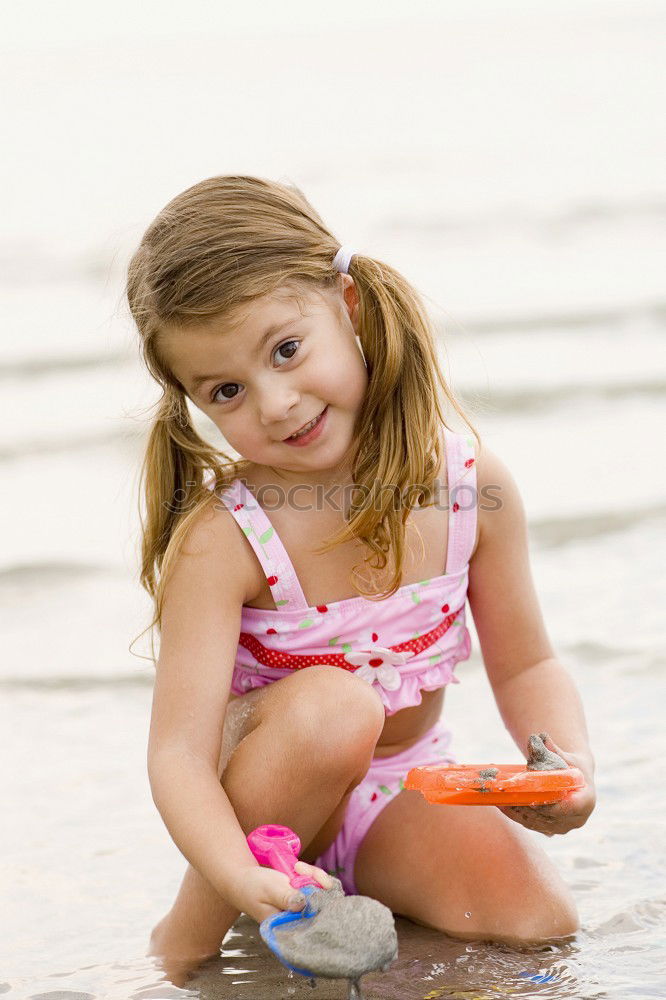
{"x":277,"y":847}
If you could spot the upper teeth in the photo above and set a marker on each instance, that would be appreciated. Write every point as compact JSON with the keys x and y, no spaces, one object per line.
{"x":305,"y":429}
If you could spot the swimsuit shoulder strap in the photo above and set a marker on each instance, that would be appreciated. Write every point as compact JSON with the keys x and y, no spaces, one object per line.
{"x":271,"y":553}
{"x":461,"y":473}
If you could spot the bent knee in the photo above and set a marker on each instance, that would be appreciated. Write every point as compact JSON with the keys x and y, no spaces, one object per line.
{"x":331,"y":713}
{"x":548,"y":926}
{"x":552,"y":918}
{"x":534,"y":915}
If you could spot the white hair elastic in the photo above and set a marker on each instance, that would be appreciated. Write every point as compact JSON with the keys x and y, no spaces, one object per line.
{"x":343,"y":258}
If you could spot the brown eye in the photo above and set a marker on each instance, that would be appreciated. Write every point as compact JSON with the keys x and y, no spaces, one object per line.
{"x":287,"y":346}
{"x":222,"y":389}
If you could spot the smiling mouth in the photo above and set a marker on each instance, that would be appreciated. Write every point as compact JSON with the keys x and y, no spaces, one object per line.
{"x":302,"y":431}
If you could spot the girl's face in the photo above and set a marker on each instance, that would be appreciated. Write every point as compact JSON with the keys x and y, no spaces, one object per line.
{"x":268,"y":370}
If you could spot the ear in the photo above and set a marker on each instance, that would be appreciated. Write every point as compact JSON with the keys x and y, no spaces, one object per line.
{"x":350,"y":297}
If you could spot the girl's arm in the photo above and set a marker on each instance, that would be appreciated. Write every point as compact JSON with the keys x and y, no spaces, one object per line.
{"x":199,"y":638}
{"x":533,"y":690}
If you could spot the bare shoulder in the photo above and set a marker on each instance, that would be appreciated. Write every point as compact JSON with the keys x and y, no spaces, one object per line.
{"x":501,"y":591}
{"x":488,"y":463}
{"x":214,"y":552}
{"x":500,"y":501}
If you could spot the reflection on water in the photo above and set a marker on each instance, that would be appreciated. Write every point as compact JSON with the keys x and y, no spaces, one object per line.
{"x":429,"y":965}
{"x":592,"y":965}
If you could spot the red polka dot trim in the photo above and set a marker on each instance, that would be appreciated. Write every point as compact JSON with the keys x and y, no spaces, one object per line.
{"x":428,"y":638}
{"x":289,"y":661}
{"x":295,"y":661}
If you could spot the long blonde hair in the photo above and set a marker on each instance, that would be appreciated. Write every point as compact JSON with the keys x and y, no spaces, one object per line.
{"x":220,"y":244}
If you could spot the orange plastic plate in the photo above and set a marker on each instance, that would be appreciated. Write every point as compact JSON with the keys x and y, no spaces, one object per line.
{"x":513,"y":785}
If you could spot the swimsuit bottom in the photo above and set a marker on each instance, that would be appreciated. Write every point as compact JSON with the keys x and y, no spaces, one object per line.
{"x":383,"y":781}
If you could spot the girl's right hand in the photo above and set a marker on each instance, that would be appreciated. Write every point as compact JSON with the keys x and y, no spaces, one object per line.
{"x":263,"y":892}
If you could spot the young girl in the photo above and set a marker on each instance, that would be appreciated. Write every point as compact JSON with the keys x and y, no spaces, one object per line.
{"x":311,"y":594}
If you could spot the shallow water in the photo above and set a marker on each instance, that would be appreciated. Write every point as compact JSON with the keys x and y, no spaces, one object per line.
{"x":531,"y":214}
{"x":84,"y":883}
{"x":429,"y":966}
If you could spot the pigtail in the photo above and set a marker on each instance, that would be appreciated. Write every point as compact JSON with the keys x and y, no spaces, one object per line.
{"x":173,"y":488}
{"x":399,"y":442}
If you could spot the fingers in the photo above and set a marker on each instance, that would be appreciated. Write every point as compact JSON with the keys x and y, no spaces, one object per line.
{"x":279,"y":895}
{"x":263,"y":910}
{"x":293,"y":902}
{"x":265,"y":892}
{"x":548,"y":820}
{"x":529,"y":818}
{"x":276,"y":902}
{"x":318,"y":874}
{"x":268,"y":892}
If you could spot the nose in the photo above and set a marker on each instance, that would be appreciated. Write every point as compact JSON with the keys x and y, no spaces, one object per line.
{"x":275,"y":403}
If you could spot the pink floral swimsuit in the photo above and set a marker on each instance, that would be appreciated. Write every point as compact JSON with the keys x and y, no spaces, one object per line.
{"x":402,"y":646}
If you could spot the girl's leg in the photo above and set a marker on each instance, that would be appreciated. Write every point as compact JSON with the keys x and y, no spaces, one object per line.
{"x":436,"y":864}
{"x":318,"y":729}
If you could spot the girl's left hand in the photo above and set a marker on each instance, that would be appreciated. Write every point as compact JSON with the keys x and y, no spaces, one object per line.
{"x":567,"y":814}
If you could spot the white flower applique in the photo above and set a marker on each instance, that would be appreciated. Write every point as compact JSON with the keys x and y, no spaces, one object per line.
{"x":378,"y":666}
